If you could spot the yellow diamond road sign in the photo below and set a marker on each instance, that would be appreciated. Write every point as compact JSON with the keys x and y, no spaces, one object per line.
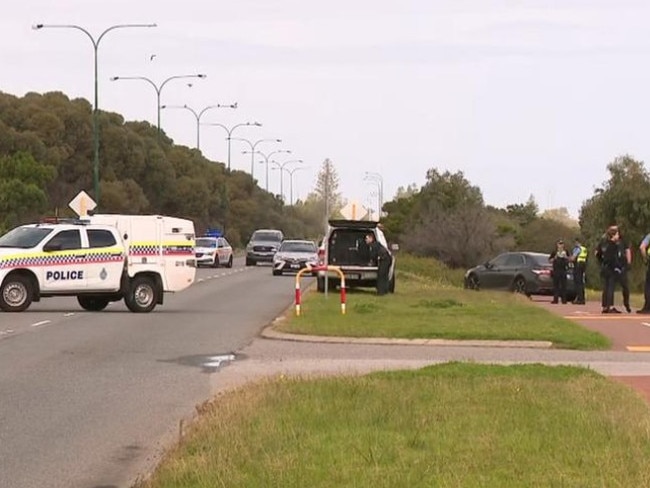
{"x":82,"y":204}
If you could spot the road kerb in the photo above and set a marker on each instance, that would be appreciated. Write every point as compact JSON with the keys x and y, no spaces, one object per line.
{"x":270,"y":333}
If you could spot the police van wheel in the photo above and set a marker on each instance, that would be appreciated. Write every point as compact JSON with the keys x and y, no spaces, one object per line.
{"x":92,"y":304}
{"x":142,"y":295}
{"x":215,"y":263}
{"x":229,"y":265}
{"x":16,"y":294}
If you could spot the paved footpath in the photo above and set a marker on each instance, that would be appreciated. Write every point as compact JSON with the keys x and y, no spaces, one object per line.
{"x":628,"y":332}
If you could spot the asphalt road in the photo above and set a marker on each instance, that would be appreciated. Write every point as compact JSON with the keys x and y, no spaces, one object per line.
{"x":87,"y":399}
{"x":91,"y":399}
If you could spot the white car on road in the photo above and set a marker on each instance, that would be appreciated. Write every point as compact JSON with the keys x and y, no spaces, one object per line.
{"x":294,"y":255}
{"x":213,"y":251}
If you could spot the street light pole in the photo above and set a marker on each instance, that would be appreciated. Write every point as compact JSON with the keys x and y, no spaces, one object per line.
{"x":158,"y":88}
{"x":291,"y":172}
{"x":376,"y":177}
{"x":230,"y":131}
{"x":266,"y":160}
{"x":198,"y":115}
{"x":253,"y":145}
{"x":281,"y":166}
{"x":95,"y":43}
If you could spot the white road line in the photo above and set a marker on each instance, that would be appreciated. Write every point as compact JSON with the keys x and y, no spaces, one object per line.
{"x":69,"y":314}
{"x":199,"y":280}
{"x":42,"y":322}
{"x":646,"y":324}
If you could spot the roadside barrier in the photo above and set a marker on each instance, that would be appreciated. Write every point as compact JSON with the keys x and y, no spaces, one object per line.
{"x":328,"y":268}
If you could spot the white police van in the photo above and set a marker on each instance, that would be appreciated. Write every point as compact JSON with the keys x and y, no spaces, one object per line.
{"x":99,"y":259}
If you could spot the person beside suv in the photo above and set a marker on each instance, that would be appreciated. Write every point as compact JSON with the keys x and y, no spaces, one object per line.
{"x":344,"y":245}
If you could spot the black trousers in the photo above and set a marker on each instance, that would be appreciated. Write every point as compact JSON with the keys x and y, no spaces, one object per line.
{"x":383,"y":270}
{"x":610,"y":279}
{"x":559,"y":286}
{"x":579,"y":281}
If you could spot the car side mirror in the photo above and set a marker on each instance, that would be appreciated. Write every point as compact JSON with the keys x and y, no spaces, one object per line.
{"x":488,"y":264}
{"x":51,"y":247}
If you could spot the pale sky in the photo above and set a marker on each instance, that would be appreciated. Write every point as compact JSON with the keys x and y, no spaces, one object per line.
{"x":525,"y":97}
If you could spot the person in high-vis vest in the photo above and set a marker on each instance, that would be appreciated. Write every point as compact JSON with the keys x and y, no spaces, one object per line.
{"x":579,"y":259}
{"x":645,"y":255}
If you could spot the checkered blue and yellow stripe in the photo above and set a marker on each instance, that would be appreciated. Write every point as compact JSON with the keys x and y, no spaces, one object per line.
{"x":181,"y":248}
{"x":61,"y":258}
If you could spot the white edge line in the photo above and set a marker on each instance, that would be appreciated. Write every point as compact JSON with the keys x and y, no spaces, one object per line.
{"x":69,"y":314}
{"x":199,"y":280}
{"x":42,"y":322}
{"x":646,"y":324}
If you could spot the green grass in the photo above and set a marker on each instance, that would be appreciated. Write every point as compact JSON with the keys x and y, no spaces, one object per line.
{"x":432,"y":270}
{"x":451,"y":425}
{"x":421,"y":309}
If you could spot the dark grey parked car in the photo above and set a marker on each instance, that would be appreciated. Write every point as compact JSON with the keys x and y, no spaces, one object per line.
{"x":521,"y":272}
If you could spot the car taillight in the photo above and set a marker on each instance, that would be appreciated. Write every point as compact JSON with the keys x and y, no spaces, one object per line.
{"x":545,"y":272}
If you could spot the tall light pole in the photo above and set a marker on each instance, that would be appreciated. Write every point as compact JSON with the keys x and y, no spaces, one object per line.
{"x":281,"y":166}
{"x":158,"y":88}
{"x":198,"y":115}
{"x":291,"y":172}
{"x":95,"y":43}
{"x":377,"y":178}
{"x":266,"y":160}
{"x":231,"y":130}
{"x":253,"y":145}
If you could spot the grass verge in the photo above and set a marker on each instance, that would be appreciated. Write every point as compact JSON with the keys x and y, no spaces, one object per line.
{"x":449,"y":425}
{"x":422,"y":309}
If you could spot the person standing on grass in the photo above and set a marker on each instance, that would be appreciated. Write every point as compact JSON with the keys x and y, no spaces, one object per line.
{"x":579,"y":259}
{"x":615,"y":257}
{"x":645,"y":254}
{"x":380,"y":255}
{"x":560,"y":259}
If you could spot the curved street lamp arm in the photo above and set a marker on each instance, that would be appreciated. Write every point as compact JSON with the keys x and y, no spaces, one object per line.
{"x":122,"y":26}
{"x":175,"y":77}
{"x":142,"y":78}
{"x":90,"y":36}
{"x":219,"y":125}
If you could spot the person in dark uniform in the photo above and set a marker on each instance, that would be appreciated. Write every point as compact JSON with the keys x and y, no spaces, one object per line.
{"x":615,"y":257}
{"x":644,"y":247}
{"x":560,"y":259}
{"x":380,"y":256}
{"x":579,"y":259}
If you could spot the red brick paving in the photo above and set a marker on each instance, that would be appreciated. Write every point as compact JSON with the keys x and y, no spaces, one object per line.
{"x":625,"y":329}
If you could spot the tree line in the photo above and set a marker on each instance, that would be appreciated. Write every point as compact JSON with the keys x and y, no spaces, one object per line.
{"x":447,"y":218}
{"x":46,"y":158}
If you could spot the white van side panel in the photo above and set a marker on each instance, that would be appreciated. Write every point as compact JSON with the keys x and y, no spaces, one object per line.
{"x":159,"y":244}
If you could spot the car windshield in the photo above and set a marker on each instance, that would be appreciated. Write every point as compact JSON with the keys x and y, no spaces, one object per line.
{"x":24,"y":237}
{"x":308,"y":247}
{"x":266,"y":236}
{"x":206,"y":243}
